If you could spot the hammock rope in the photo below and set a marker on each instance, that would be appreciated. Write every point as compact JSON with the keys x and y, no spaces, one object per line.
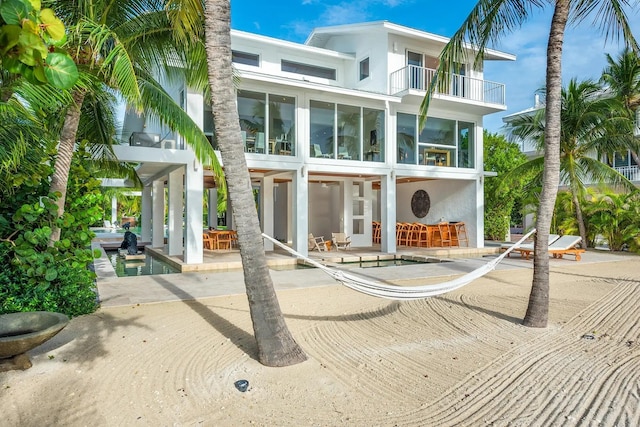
{"x":385,"y":290}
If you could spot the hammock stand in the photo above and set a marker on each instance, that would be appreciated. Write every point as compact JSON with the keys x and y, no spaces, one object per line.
{"x":384,"y":290}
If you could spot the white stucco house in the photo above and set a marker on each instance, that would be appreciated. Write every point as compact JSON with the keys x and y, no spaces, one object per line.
{"x":331,"y":137}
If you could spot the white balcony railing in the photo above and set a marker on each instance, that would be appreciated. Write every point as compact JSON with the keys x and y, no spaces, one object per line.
{"x":419,"y":78}
{"x":632,"y":173}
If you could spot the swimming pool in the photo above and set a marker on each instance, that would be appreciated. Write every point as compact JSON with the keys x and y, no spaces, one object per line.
{"x":139,"y":267}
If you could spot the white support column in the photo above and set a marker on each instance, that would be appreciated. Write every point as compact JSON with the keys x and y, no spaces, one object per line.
{"x":175,"y":216}
{"x":266,"y":196}
{"x":114,"y":210}
{"x":145,"y":227}
{"x":212,"y":208}
{"x":346,"y":207}
{"x":291,"y":217}
{"x":157,"y":220}
{"x":301,"y":211}
{"x":193,"y":252}
{"x":388,"y":213}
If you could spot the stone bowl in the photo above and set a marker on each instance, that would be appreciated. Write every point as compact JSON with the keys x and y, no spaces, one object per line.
{"x":21,"y":332}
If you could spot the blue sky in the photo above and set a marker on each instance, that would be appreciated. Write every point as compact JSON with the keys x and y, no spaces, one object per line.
{"x":583,"y":53}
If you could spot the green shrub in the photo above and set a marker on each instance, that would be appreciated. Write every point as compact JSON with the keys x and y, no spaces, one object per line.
{"x":36,"y":276}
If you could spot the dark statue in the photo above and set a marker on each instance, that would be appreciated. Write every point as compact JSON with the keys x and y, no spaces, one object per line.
{"x":130,"y":243}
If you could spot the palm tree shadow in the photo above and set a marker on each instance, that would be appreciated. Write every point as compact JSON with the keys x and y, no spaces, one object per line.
{"x":488,"y":312}
{"x":372,"y":314}
{"x":239,"y":337}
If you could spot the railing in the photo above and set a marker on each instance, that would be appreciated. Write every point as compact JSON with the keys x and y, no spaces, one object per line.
{"x":632,"y":173}
{"x":419,"y":78}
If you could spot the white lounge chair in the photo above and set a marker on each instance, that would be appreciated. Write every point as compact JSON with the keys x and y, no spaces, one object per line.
{"x":565,"y":245}
{"x":527,"y":246}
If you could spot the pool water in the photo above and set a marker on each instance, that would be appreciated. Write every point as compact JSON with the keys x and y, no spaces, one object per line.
{"x":391,"y":262}
{"x":139,"y":267}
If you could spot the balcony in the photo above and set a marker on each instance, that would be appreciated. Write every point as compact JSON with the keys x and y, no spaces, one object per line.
{"x":632,"y":173}
{"x":416,"y":78}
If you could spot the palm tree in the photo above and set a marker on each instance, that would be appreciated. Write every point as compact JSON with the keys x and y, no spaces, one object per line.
{"x":588,"y":121}
{"x":276,"y":346}
{"x":487,"y":22}
{"x":622,"y":76}
{"x":115,"y":44}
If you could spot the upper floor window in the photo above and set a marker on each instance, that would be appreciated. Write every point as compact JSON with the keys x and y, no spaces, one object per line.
{"x":364,"y":68}
{"x":245,"y":58}
{"x":308,"y":70}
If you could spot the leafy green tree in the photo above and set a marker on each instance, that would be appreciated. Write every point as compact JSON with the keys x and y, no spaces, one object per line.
{"x":500,"y":156}
{"x":117,"y":44}
{"x":589,"y":122}
{"x":487,"y":23}
{"x":31,"y":41}
{"x":36,"y":276}
{"x":622,"y":77}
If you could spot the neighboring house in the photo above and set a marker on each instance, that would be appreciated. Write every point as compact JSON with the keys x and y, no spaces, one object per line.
{"x":621,"y":161}
{"x":331,"y":136}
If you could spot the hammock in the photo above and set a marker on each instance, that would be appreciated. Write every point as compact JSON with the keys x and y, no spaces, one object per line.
{"x":384,"y":290}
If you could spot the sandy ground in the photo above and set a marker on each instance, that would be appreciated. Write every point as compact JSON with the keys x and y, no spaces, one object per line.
{"x":461,"y":359}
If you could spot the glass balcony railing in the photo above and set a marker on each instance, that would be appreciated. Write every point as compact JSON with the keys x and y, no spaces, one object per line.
{"x":419,"y":78}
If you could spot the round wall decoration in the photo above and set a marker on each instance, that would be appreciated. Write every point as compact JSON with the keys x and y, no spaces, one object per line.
{"x":420,"y":203}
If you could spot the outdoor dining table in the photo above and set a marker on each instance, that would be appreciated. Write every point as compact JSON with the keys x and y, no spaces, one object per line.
{"x":222,"y":238}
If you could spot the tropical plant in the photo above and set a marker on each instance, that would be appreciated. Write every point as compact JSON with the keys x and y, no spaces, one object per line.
{"x":36,"y":276}
{"x":614,"y":216}
{"x":622,"y":77}
{"x":589,"y":122}
{"x":31,"y":41}
{"x":117,"y":44}
{"x":500,"y":156}
{"x":276,"y":346}
{"x":487,"y":23}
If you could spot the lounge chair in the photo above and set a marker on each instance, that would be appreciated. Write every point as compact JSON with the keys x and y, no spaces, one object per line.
{"x":317,"y":243}
{"x":340,"y":240}
{"x":525,"y":248}
{"x":565,"y":245}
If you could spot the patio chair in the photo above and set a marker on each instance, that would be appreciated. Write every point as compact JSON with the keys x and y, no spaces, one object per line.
{"x":527,"y":248}
{"x":317,"y":152}
{"x":317,"y":243}
{"x":207,"y":241}
{"x":341,"y":241}
{"x":445,"y":234}
{"x":566,"y":245}
{"x":343,"y":153}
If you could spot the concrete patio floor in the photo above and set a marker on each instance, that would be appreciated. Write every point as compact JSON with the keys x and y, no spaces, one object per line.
{"x":221,"y":274}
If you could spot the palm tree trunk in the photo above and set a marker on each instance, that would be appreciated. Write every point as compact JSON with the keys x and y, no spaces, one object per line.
{"x":579,"y":218}
{"x":276,"y":346}
{"x":538,"y":309}
{"x":63,"y":158}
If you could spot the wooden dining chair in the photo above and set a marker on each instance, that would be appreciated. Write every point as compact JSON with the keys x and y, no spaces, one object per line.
{"x":224,"y":240}
{"x":207,"y":241}
{"x":445,"y":234}
{"x":461,"y":233}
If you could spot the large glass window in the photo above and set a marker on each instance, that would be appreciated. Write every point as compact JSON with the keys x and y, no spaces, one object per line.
{"x":348,"y":132}
{"x":441,"y":142}
{"x":322,"y":128}
{"x":406,"y":138}
{"x":351,"y":132}
{"x":282,"y":135}
{"x":251,"y":110}
{"x":466,"y":145}
{"x":373,"y":133}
